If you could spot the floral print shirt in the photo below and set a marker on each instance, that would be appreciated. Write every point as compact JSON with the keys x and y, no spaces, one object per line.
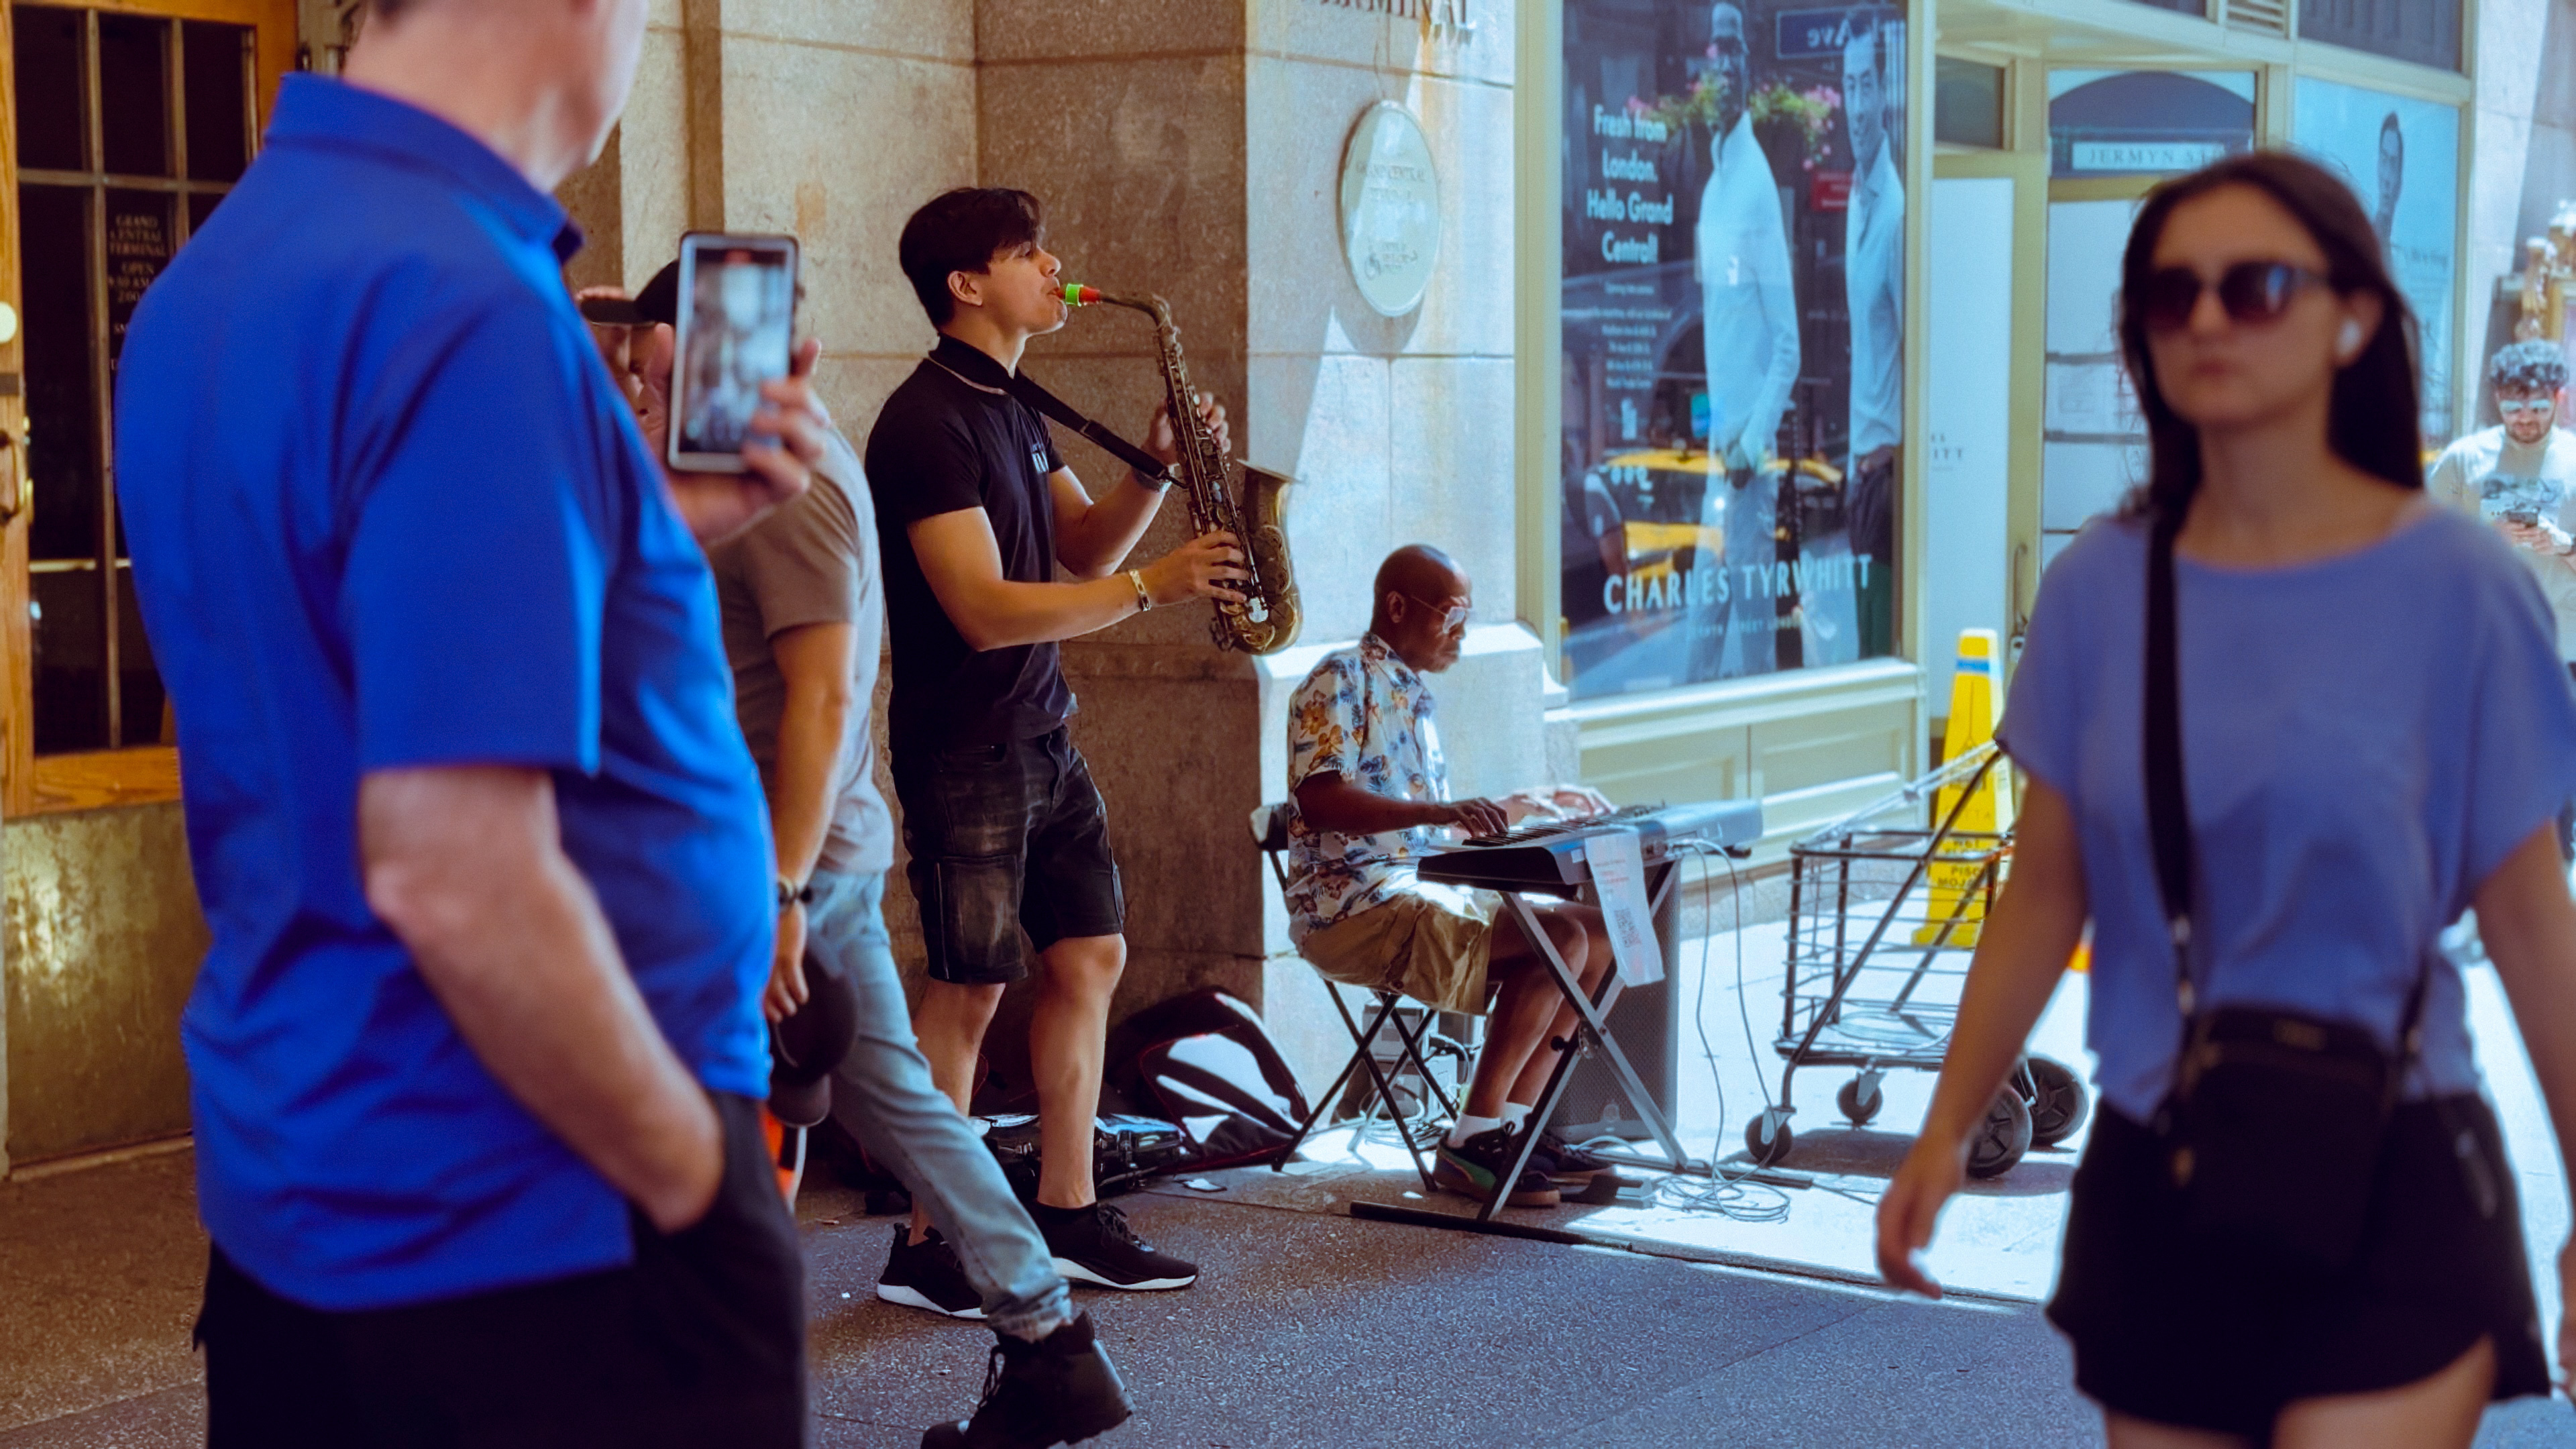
{"x":1364,"y":715}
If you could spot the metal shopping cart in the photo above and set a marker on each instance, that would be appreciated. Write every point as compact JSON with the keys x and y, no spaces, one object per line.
{"x":1883,"y":916}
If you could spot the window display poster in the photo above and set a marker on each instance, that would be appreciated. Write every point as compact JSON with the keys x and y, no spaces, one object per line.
{"x":2402,"y":158}
{"x":1733,"y":236}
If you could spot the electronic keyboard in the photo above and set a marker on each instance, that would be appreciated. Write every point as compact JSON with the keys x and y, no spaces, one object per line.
{"x":1551,"y":856}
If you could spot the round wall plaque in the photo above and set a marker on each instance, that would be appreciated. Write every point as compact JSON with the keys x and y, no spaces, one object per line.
{"x":1390,"y":208}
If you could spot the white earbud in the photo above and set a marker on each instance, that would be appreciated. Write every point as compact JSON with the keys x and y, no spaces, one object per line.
{"x":2348,"y":341}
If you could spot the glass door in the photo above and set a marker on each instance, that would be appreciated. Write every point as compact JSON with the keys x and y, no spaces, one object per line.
{"x":1980,"y":483}
{"x":130,"y":126}
{"x":2093,"y":442}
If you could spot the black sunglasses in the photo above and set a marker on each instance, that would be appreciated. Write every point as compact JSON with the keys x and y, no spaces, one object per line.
{"x":2249,"y":291}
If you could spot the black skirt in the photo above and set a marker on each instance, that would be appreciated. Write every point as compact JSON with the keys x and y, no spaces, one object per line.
{"x":2163,"y":1332}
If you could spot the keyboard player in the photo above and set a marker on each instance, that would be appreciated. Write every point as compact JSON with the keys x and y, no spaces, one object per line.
{"x":1372,"y":793}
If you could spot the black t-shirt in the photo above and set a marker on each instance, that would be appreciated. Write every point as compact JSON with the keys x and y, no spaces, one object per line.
{"x":949,"y":439}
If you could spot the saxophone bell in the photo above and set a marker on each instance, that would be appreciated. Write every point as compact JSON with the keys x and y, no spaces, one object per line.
{"x":1266,"y":620}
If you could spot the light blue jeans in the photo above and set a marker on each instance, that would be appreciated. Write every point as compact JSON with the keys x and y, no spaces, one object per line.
{"x":883,"y":1096}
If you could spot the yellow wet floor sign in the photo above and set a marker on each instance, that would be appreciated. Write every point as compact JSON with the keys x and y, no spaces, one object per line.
{"x":1958,"y":900}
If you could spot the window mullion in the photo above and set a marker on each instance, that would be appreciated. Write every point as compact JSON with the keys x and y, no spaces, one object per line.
{"x":102,"y":402}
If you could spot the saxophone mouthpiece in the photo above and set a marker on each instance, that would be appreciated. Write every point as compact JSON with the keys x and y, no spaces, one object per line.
{"x":1078,"y":295}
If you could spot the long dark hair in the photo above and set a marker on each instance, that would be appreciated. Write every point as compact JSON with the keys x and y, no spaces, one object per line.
{"x":2372,"y":419}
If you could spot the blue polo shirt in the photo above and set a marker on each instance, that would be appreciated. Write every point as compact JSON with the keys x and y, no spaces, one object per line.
{"x":387,"y":509}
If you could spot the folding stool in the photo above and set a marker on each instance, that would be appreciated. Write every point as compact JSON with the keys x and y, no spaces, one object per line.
{"x":1270,"y":832}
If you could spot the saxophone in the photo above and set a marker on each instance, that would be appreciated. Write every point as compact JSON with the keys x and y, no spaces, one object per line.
{"x":1266,"y":621}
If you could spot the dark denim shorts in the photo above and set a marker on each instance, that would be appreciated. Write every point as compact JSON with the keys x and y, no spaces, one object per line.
{"x":1004,"y":839}
{"x":2164,"y":1331}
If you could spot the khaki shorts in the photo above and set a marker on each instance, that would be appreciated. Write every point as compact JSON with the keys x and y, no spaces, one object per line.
{"x":1432,"y":949}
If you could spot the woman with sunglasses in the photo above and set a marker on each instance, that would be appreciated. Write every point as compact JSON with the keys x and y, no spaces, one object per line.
{"x":2364,"y":729}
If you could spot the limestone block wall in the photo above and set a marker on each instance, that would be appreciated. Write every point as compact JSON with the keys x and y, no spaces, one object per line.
{"x":1192,"y":148}
{"x":1401,"y":424}
{"x":829,"y":119}
{"x":1189,"y":148}
{"x":2524,"y":159}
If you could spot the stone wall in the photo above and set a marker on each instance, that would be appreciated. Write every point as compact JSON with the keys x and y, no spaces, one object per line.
{"x":1189,"y":148}
{"x":2523,"y":162}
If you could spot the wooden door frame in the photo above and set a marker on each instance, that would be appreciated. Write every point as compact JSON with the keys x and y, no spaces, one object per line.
{"x":30,"y":786}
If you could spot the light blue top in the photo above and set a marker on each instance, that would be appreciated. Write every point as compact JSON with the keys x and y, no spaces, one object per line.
{"x":2365,"y":739}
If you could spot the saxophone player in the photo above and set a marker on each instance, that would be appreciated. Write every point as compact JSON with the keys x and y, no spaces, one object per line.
{"x":1005,"y":830}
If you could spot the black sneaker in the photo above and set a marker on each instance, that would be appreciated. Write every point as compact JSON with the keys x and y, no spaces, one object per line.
{"x":1471,"y":1168}
{"x":1096,"y":1246}
{"x":1564,"y":1162}
{"x":1060,"y":1390}
{"x":927,"y":1275}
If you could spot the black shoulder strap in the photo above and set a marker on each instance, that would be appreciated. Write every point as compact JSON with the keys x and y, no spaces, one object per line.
{"x":2168,"y":809}
{"x":1026,"y":389}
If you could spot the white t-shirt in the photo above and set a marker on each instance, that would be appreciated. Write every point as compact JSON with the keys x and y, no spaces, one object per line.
{"x":2487,"y":473}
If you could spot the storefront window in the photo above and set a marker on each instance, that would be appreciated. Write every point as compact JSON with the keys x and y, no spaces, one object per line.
{"x":2426,"y":32}
{"x":1968,"y":103}
{"x":2146,"y":122}
{"x":1734,"y":236}
{"x":2402,"y":158}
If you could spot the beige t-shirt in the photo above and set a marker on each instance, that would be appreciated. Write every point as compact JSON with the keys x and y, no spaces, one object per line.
{"x":814,"y":561}
{"x":2487,"y":473}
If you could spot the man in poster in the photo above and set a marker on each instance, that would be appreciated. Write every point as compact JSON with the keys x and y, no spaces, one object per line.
{"x":2392,"y":177}
{"x":1874,"y":279}
{"x":1750,"y":331}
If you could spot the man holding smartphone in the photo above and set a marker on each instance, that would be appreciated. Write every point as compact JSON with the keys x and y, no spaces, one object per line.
{"x":1005,"y":829}
{"x":804,"y":619}
{"x":2520,"y":476}
{"x":475,"y":1053}
{"x":2517,"y":474}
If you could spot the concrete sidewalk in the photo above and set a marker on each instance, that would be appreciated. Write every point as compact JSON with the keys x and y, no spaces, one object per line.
{"x":1998,"y":1238}
{"x":1313,"y":1329}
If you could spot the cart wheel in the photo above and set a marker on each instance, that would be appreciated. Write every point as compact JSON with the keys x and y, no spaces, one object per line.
{"x":1856,"y":1107}
{"x":2002,"y":1138}
{"x":2060,"y":1107}
{"x":1767,"y":1152}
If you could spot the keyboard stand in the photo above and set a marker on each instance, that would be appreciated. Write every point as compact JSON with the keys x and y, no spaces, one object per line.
{"x":1591,"y":1032}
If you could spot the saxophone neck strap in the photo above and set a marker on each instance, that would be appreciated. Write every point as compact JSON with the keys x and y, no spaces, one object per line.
{"x":1026,"y":389}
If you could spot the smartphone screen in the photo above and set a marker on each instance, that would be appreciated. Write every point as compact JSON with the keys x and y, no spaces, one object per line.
{"x":737,"y":318}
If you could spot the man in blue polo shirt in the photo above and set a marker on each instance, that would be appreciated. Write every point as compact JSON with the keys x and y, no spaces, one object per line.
{"x":476,"y":1049}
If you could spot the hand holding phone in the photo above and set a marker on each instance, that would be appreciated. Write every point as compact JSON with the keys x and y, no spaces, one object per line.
{"x":736,"y":336}
{"x":778,"y":463}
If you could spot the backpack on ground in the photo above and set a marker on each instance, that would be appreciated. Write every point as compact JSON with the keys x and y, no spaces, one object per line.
{"x":1205,"y":1061}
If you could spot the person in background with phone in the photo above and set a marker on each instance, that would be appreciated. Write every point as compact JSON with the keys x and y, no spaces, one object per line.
{"x":2520,"y":476}
{"x":1005,"y":830}
{"x":2374,"y":731}
{"x":804,"y":622}
{"x":476,"y":1050}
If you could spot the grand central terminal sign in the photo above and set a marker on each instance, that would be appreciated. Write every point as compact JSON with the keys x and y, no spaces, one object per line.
{"x":1390,"y":209}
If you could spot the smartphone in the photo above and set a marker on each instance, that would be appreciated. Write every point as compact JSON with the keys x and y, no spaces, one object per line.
{"x":2527,"y":517}
{"x":737,"y":331}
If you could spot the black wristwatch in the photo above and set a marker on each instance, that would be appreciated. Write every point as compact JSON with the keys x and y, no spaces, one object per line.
{"x":792,"y":894}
